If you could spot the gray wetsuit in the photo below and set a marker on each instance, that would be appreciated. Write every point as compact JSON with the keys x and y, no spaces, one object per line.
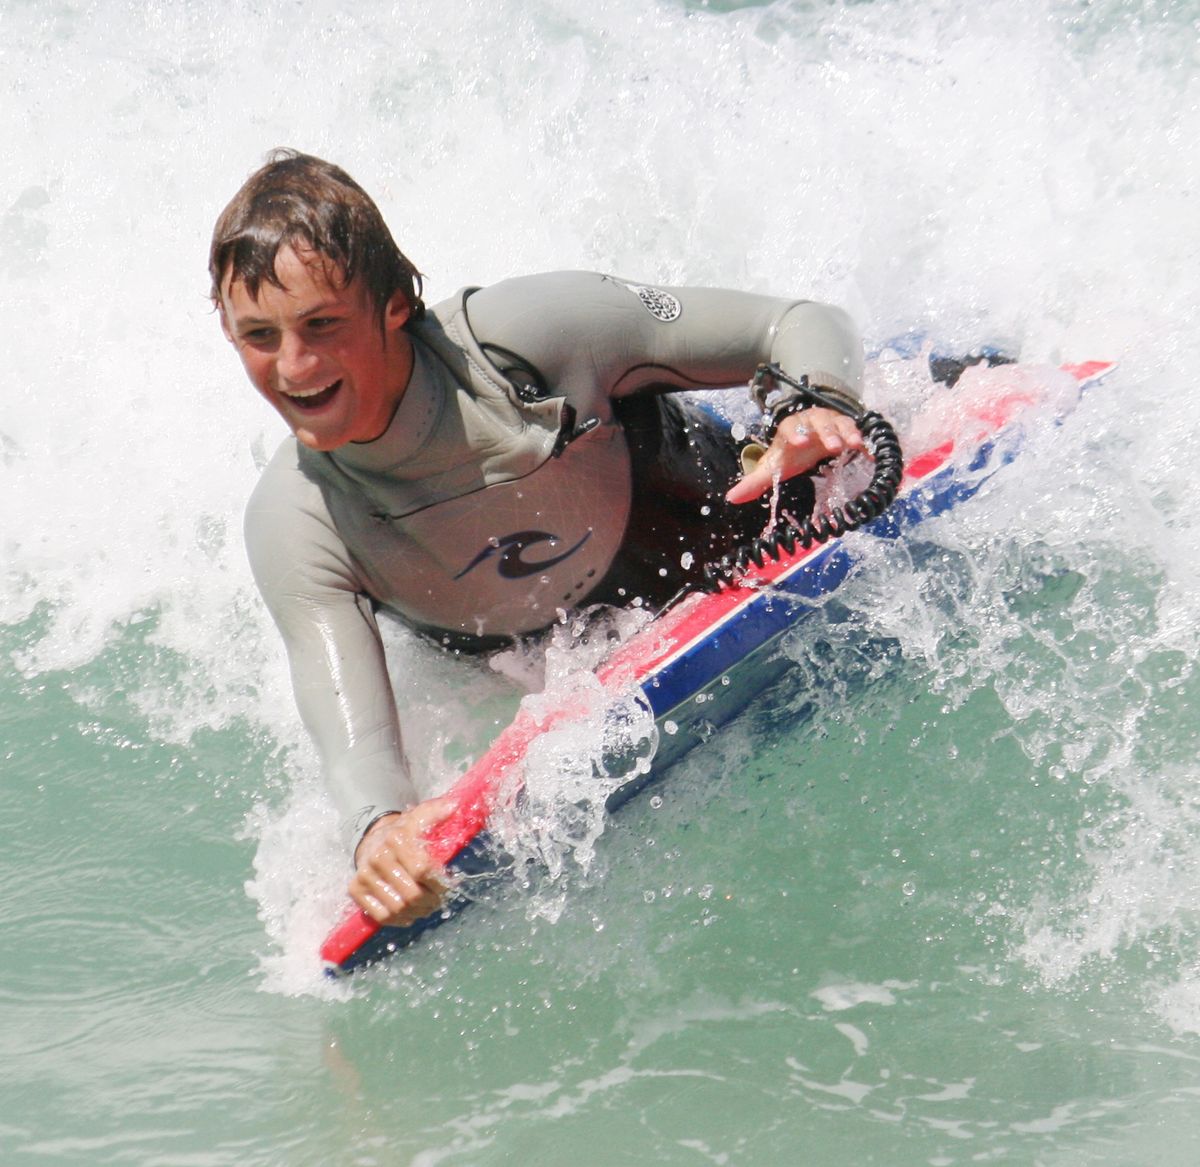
{"x":533,"y":464}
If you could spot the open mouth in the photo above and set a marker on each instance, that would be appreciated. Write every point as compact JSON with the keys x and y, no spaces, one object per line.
{"x":316,"y":399}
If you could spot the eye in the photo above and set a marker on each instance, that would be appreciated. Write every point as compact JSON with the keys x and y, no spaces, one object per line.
{"x":322,"y":323}
{"x":258,"y":336}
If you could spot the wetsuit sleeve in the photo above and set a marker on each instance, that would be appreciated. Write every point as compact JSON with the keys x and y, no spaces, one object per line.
{"x":580,"y":329}
{"x":339,"y":673}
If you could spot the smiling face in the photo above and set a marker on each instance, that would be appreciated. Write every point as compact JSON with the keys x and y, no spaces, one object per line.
{"x":318,"y":352}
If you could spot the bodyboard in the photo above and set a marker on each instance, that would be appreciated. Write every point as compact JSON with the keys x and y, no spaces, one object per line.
{"x":698,"y":664}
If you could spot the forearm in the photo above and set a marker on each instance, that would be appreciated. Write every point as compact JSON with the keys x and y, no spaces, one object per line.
{"x":820,"y":342}
{"x":344,"y":696}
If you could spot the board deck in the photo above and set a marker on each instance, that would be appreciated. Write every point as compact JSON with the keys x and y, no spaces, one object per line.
{"x":701,"y":662}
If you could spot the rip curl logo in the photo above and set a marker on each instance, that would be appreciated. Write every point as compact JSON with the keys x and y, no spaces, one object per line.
{"x":661,"y":305}
{"x":510,"y":549}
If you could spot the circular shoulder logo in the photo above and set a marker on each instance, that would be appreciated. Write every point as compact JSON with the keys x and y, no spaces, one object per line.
{"x":661,"y":305}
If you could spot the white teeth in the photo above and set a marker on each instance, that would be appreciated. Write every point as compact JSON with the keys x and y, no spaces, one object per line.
{"x":308,"y":392}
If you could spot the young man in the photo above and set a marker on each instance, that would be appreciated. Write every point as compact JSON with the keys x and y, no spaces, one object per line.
{"x":479,"y":467}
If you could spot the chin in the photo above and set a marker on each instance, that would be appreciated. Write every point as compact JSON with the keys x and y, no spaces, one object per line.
{"x":321,"y":442}
{"x":318,"y":434}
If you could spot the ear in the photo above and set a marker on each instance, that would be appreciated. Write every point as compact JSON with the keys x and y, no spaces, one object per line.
{"x":222,"y":289}
{"x":397,"y":312}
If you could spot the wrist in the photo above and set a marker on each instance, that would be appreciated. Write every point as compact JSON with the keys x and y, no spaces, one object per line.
{"x":780,"y":412}
{"x":778,"y":396}
{"x":371,"y":825}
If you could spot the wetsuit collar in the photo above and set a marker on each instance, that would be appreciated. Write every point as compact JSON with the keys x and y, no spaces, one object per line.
{"x":411,"y":427}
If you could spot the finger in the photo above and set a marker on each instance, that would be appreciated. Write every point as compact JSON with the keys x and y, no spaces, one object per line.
{"x":383,"y":904}
{"x":402,"y":839}
{"x":847,"y":432}
{"x":823,"y":433}
{"x":430,"y":813}
{"x":389,"y":915}
{"x":753,"y":485}
{"x":393,"y":886}
{"x":393,"y":901}
{"x":828,"y":433}
{"x":395,"y":914}
{"x":398,"y":878}
{"x":408,"y":872}
{"x":372,"y":906}
{"x":406,"y":848}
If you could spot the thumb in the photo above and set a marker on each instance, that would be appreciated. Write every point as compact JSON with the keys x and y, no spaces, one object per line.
{"x":431,"y":812}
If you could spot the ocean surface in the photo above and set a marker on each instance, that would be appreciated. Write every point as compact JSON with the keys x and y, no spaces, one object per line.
{"x":932,"y":901}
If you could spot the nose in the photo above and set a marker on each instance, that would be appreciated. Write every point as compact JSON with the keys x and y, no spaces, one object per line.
{"x":295,"y":360}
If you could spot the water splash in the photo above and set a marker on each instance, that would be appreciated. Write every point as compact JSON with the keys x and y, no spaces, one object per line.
{"x":549,"y":826}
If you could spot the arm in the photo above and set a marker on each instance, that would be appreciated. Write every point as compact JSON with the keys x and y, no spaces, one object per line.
{"x":586,"y":333}
{"x":595,"y":336}
{"x":804,"y":338}
{"x":343,"y":693}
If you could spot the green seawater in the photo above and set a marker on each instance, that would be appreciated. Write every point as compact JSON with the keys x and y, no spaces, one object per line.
{"x":929,"y":902}
{"x":800,"y":947}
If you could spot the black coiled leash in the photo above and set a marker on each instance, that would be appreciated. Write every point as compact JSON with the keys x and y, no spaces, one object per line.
{"x":868,"y":504}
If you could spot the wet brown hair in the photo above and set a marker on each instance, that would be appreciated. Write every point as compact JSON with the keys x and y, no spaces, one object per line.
{"x":299,"y":201}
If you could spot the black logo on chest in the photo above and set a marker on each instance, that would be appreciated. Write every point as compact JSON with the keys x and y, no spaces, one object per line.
{"x":510,"y":548}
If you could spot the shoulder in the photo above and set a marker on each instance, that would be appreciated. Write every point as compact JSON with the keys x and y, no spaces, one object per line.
{"x":284,"y":487}
{"x":549,"y":295}
{"x":291,"y":539}
{"x":562,"y":318}
{"x":521,"y":301}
